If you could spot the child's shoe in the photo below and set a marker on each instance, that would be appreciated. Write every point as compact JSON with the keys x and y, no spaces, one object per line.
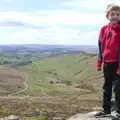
{"x":116,"y":116}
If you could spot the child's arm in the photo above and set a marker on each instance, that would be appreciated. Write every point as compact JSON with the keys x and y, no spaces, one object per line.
{"x":118,"y":69}
{"x":99,"y":54}
{"x":99,"y":57}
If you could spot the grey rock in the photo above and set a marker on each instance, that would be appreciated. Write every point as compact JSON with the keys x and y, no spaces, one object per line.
{"x":11,"y":117}
{"x":89,"y":116}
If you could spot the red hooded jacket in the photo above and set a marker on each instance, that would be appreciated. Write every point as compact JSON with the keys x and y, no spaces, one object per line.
{"x":109,"y":45}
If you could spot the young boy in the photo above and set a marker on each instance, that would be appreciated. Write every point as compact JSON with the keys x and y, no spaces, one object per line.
{"x":109,"y":55}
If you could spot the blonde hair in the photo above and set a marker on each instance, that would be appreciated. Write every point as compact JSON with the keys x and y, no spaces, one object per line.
{"x":111,"y":7}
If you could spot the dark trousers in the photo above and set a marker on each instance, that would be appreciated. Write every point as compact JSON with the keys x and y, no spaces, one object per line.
{"x":111,"y":80}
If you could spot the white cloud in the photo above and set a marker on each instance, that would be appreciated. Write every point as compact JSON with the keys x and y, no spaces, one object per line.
{"x":48,"y":35}
{"x":54,"y":18}
{"x":72,"y":17}
{"x":45,"y":30}
{"x":51,"y":36}
{"x":91,"y":4}
{"x":8,"y":0}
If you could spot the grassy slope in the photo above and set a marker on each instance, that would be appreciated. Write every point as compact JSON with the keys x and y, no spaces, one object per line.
{"x":67,"y":70}
{"x":70,"y":79}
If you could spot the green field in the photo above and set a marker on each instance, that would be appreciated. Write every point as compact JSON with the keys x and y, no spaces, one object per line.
{"x":67,"y":83}
{"x":56,"y":75}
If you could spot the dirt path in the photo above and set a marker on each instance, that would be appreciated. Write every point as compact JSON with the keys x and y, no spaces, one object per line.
{"x":20,"y":91}
{"x":15,"y":94}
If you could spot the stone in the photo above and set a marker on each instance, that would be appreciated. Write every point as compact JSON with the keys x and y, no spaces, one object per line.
{"x":88,"y":116}
{"x":13,"y":117}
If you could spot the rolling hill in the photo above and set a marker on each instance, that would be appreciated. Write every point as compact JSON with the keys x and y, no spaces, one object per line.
{"x":59,"y":85}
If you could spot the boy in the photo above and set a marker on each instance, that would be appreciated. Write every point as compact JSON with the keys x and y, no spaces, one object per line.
{"x":109,"y":55}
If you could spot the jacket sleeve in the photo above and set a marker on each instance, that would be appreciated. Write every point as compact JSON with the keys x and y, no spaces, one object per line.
{"x":119,"y":53}
{"x":118,"y":69}
{"x":99,"y":54}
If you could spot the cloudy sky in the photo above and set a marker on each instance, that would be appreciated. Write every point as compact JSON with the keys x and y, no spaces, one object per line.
{"x":68,"y":22}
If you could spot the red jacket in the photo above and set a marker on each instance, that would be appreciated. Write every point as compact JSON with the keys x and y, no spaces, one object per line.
{"x":109,"y":44}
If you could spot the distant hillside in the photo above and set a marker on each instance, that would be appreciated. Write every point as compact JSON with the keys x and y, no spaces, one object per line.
{"x":34,"y":48}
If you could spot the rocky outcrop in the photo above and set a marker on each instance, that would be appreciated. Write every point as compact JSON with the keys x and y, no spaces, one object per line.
{"x":80,"y":116}
{"x":11,"y":117}
{"x":89,"y":116}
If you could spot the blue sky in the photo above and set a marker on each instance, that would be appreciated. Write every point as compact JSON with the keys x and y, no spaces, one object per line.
{"x":67,"y":22}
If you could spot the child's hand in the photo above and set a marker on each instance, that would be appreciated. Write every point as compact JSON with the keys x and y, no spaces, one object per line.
{"x":98,"y":69}
{"x":98,"y":65}
{"x":118,"y":70}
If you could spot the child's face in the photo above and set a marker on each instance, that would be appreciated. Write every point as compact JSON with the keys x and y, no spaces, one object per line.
{"x":114,"y":17}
